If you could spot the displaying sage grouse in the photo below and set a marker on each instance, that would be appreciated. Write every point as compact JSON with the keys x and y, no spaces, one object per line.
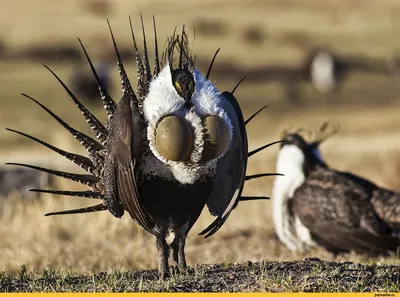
{"x":168,"y":149}
{"x":314,"y":204}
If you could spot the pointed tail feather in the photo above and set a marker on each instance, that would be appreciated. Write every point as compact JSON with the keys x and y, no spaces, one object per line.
{"x":214,"y":226}
{"x":262,"y":148}
{"x":125,"y":83}
{"x":249,"y":198}
{"x":91,"y":145}
{"x":181,"y":48}
{"x":95,"y":208}
{"x":147,"y":71}
{"x":81,"y":161}
{"x":98,"y":129}
{"x":157,"y":59}
{"x":250,"y":118}
{"x":108,"y":103}
{"x":141,"y":79}
{"x":211,"y":64}
{"x":86,"y":179}
{"x":239,"y":82}
{"x":82,"y":194}
{"x":248,"y":177}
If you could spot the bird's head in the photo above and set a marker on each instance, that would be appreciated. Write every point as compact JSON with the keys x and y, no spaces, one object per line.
{"x":298,"y":154}
{"x":183,"y":82}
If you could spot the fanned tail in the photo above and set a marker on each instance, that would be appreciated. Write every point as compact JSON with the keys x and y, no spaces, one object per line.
{"x":97,"y":149}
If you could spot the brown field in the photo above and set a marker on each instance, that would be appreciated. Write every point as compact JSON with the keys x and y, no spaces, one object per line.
{"x":367,"y":110}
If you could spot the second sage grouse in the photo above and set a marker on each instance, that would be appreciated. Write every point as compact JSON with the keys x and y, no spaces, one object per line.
{"x":315,"y":205}
{"x":167,"y":150}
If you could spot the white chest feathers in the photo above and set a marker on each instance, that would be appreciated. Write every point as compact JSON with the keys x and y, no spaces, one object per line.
{"x":290,"y":162}
{"x":162,"y":101}
{"x":323,"y":73}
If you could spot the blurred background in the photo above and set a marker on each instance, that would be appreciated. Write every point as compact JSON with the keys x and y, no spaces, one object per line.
{"x":272,"y":42}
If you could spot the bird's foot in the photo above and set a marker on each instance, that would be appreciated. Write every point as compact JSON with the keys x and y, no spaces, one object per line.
{"x":165,"y":274}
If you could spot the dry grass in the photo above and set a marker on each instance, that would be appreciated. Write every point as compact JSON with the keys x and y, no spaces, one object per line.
{"x":310,"y":275}
{"x":367,"y":112}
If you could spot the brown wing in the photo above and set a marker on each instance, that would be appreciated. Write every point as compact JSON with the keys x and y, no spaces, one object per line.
{"x":337,"y":210}
{"x":387,"y":205}
{"x":125,"y":133}
{"x":231,"y":169}
{"x":338,"y":239}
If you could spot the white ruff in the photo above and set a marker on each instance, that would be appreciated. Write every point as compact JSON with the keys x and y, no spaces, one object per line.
{"x":290,"y":163}
{"x":322,"y":73}
{"x":163,"y":100}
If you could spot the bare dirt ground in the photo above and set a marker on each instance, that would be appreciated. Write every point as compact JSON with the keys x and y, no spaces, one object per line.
{"x":99,"y":252}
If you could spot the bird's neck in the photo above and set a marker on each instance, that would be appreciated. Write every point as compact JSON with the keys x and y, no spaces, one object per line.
{"x":290,"y":162}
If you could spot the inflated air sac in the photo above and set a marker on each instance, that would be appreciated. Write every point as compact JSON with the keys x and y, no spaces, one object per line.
{"x":216,"y":137}
{"x":174,"y":138}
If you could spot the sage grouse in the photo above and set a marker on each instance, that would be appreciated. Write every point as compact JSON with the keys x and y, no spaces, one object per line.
{"x":168,"y":149}
{"x":315,"y":205}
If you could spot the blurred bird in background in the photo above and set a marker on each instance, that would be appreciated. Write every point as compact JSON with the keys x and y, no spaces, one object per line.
{"x":315,"y":205}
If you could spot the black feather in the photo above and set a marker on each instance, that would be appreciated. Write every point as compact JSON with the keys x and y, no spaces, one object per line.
{"x":83,"y":194}
{"x":83,"y":162}
{"x":263,"y":147}
{"x":256,"y":113}
{"x":95,"y":125}
{"x":108,"y":103}
{"x":211,"y":64}
{"x":86,"y":179}
{"x":95,"y":208}
{"x":248,"y":177}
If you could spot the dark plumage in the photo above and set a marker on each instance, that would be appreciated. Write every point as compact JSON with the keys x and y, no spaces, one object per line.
{"x":129,"y":165}
{"x":317,"y":205}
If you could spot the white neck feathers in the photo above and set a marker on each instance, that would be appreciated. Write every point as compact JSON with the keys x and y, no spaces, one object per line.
{"x":290,"y":162}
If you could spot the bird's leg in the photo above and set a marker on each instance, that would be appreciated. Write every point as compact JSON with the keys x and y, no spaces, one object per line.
{"x":181,"y":252}
{"x":174,"y":248}
{"x":163,"y":254}
{"x":178,"y":251}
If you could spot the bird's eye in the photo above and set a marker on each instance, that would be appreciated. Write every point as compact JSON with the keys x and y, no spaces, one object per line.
{"x":174,"y":138}
{"x":178,"y":87}
{"x":191,"y":87}
{"x":217,"y":137}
